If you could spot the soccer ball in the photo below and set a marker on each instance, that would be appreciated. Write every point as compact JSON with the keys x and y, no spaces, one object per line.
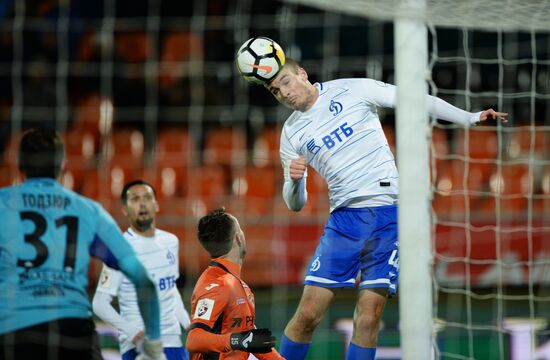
{"x":259,"y":59}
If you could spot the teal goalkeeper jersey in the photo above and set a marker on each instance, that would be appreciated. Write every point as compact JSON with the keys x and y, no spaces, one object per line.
{"x":47,"y":235}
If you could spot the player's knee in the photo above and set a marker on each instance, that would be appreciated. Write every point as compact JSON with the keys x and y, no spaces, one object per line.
{"x":308,"y":318}
{"x":367,"y":323}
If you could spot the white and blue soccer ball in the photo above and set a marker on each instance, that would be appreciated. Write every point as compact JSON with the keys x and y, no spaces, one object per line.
{"x":259,"y":59}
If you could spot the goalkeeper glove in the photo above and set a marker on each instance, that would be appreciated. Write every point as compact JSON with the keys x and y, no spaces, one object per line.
{"x":253,"y":341}
{"x":150,"y":350}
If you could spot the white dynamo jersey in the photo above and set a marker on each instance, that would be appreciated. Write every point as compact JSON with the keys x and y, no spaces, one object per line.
{"x":159,"y":256}
{"x":341,"y":138}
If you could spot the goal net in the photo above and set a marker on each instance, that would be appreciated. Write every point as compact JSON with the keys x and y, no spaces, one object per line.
{"x":148,"y":89}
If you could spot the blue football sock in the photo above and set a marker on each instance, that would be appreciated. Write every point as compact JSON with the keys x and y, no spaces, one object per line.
{"x":291,"y":350}
{"x":356,"y":352}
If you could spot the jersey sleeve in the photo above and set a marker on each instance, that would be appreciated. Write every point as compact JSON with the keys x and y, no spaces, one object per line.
{"x":379,"y":93}
{"x":209,"y":305}
{"x":382,"y":94}
{"x":109,"y":281}
{"x":294,"y":192}
{"x":207,"y":311}
{"x":203,"y":341}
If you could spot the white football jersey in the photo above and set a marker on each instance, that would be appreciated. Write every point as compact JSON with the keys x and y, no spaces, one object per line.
{"x":159,"y":256}
{"x":341,"y":137}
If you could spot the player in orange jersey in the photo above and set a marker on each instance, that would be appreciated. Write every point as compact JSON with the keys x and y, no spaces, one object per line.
{"x":222,"y":324}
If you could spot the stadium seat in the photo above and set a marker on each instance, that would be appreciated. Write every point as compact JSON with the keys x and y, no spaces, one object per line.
{"x":525,"y":139}
{"x":542,"y":196}
{"x":439,"y":147}
{"x":174,"y":147}
{"x":208,"y":183}
{"x":480,"y":143}
{"x":133,"y":47}
{"x":263,"y":263}
{"x":8,"y":175}
{"x":266,"y":147}
{"x":10,"y":151}
{"x":177,"y":47}
{"x":225,"y":146}
{"x":125,"y":148}
{"x":254,"y":188}
{"x":93,"y":114}
{"x":81,"y":149}
{"x":511,"y":188}
{"x":453,"y":180}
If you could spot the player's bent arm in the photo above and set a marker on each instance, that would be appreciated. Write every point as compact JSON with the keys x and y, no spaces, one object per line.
{"x":146,"y":293}
{"x":102,"y":306}
{"x":294,"y":190}
{"x":295,"y":194}
{"x":202,"y":341}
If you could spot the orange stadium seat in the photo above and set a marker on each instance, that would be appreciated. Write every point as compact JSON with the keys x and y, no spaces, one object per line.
{"x":174,"y":153}
{"x":133,"y":47}
{"x":81,"y":150}
{"x":11,"y":150}
{"x":93,"y":114}
{"x":177,"y":46}
{"x":453,"y":180}
{"x":175,"y":147}
{"x":266,"y":147}
{"x":225,"y":146}
{"x":209,"y":184}
{"x":542,"y":199}
{"x":254,"y":188}
{"x":480,"y":143}
{"x":440,"y":147}
{"x":525,"y":139}
{"x":510,"y":187}
{"x":125,"y":149}
{"x":8,"y":175}
{"x":261,"y":267}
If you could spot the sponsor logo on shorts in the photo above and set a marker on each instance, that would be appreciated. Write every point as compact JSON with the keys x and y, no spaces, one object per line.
{"x":315,"y":265}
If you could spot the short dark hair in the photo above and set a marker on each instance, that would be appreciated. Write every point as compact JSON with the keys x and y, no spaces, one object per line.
{"x":128,"y":185}
{"x":216,"y":231}
{"x":41,"y":153}
{"x":293,"y":64}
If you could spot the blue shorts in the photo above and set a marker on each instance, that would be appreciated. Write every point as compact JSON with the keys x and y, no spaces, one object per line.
{"x":357,"y":240}
{"x":178,"y":353}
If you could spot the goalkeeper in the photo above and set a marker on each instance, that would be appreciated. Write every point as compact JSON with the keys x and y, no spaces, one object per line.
{"x":48,"y":234}
{"x":336,"y":130}
{"x":222,"y":324}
